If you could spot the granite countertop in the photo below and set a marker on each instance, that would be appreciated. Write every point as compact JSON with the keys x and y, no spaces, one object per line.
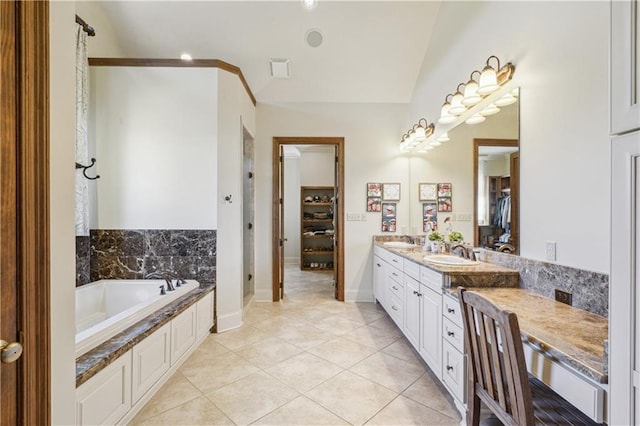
{"x":92,"y":362}
{"x":569,"y":335}
{"x":483,"y":274}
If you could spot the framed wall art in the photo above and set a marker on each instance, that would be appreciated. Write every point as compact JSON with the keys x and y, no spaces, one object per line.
{"x":427,"y":191}
{"x":445,"y":194}
{"x":374,"y":197}
{"x":429,"y":216}
{"x":391,"y":191}
{"x":388,"y":217}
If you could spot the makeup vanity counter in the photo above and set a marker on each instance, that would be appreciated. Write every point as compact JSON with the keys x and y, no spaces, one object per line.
{"x":563,"y":344}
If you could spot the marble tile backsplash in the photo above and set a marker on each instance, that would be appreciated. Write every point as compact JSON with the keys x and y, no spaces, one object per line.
{"x":83,"y":255}
{"x":590,"y":290}
{"x":132,"y":254}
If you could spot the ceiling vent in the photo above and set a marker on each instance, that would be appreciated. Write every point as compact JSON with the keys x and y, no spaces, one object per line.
{"x":280,"y":68}
{"x":313,"y":37}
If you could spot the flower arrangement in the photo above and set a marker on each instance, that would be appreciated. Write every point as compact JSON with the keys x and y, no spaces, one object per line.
{"x":455,"y":237}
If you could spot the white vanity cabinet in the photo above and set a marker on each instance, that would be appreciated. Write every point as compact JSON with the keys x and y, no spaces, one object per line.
{"x":454,"y":368}
{"x":379,"y":280}
{"x":625,"y":66}
{"x":412,"y":310}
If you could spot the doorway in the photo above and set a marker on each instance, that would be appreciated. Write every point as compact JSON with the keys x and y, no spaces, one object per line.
{"x":326,"y":201}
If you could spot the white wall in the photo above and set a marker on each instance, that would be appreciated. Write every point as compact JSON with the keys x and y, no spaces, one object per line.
{"x":155,"y":136}
{"x":62,"y":221}
{"x":372,"y":135}
{"x":292,"y":209}
{"x":561,"y":55}
{"x":317,"y":167}
{"x":234,"y":111}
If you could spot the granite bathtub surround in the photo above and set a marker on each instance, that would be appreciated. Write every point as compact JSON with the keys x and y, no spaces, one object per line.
{"x":590,"y":290}
{"x":83,"y":254}
{"x":132,"y":254}
{"x":92,"y":362}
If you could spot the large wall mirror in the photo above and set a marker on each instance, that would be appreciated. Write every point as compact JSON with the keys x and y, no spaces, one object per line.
{"x":476,"y":157}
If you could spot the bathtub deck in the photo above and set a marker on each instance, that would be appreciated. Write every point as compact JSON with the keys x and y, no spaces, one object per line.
{"x":92,"y":362}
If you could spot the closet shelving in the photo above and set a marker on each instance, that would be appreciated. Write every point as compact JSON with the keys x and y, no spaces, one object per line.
{"x":497,"y":187}
{"x":316,"y":228}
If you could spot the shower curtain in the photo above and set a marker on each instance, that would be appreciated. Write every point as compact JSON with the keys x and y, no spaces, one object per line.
{"x":82,"y":150}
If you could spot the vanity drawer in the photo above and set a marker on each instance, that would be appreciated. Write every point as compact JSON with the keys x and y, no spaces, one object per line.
{"x":431,"y":279}
{"x":453,"y":334}
{"x":412,"y":269}
{"x":451,"y":310}
{"x":393,"y":259}
{"x":396,"y":310}
{"x":396,"y":285}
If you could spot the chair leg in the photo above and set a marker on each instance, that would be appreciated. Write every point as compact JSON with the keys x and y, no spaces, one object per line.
{"x":473,"y":410}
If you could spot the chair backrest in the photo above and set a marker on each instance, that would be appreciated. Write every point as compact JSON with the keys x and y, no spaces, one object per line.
{"x":497,"y":370}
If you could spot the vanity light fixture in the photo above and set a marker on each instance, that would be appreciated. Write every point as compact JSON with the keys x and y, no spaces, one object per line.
{"x":445,"y":116}
{"x":309,"y":5}
{"x":475,"y":119}
{"x":415,"y":136}
{"x":492,"y":78}
{"x":490,"y":110}
{"x":471,"y":96}
{"x":186,"y":57}
{"x":435,"y":143}
{"x":456,"y":102}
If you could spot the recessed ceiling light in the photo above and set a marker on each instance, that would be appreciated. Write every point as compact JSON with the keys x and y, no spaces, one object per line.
{"x":309,"y":4}
{"x":186,"y":57}
{"x":280,"y":68}
{"x":313,"y":37}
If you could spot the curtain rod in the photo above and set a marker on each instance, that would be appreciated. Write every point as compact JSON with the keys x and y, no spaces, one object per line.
{"x":86,"y":27}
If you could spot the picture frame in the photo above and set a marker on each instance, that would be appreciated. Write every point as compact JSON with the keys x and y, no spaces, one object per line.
{"x":445,"y":195}
{"x":444,"y":190}
{"x":391,"y":191}
{"x":374,"y":204}
{"x":430,"y":216}
{"x":374,"y":189}
{"x":389,"y":217}
{"x":427,"y":191}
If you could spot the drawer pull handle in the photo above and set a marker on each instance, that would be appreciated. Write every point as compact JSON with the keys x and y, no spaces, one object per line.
{"x":419,"y":294}
{"x":394,"y":308}
{"x":416,"y":293}
{"x":451,"y":310}
{"x":449,"y":368}
{"x":379,"y":265}
{"x":394,"y":287}
{"x":450,"y":333}
{"x":394,"y":274}
{"x":394,"y":260}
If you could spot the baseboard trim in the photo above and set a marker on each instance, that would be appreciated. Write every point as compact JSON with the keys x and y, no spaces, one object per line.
{"x":358,"y":296}
{"x":229,"y":321}
{"x":263,"y":296}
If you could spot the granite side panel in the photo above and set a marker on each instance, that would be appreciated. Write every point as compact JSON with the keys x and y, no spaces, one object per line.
{"x":590,"y":290}
{"x":132,"y":254}
{"x":83,"y":262}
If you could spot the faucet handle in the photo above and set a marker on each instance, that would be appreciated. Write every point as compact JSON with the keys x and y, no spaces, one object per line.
{"x":162,"y":292}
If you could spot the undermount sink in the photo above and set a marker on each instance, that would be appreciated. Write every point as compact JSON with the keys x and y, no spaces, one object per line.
{"x":445,"y":259}
{"x":398,"y":244}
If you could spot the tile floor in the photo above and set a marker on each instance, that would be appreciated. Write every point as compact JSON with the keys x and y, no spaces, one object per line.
{"x":308,"y":360}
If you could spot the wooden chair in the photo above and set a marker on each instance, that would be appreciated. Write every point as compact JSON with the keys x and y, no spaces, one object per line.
{"x":498,"y":372}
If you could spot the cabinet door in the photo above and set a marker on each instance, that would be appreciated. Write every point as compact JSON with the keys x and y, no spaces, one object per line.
{"x":379,"y":285}
{"x":412,"y":311}
{"x":205,"y":315}
{"x":625,"y":66}
{"x":431,"y":330}
{"x":623,"y":281}
{"x":106,"y":397}
{"x":183,"y":333}
{"x":454,"y":371}
{"x":151,"y":360}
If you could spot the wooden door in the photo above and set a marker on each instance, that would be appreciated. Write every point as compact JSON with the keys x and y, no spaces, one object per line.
{"x":514,"y":170}
{"x":24,"y":210}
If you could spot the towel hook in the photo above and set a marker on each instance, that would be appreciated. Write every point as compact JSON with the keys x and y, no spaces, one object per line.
{"x":84,"y":169}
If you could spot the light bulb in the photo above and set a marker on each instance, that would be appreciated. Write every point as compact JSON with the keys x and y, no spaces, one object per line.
{"x":443,"y":138}
{"x":488,"y":81}
{"x":456,"y":104}
{"x":434,"y":143}
{"x":445,"y":117}
{"x":471,"y":96}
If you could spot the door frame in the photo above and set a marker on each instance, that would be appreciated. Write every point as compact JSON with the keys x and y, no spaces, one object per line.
{"x":279,"y":141}
{"x":24,"y":135}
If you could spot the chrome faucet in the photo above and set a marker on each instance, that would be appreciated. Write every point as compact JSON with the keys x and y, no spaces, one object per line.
{"x":464,"y":251}
{"x":168,"y":277}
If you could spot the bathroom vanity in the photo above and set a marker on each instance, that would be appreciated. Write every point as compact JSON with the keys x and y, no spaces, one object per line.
{"x":563,"y":345}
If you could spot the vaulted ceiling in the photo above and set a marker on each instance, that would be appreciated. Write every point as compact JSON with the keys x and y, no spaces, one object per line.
{"x":372,"y":51}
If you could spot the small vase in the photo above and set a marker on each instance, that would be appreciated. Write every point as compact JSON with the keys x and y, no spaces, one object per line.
{"x":434,"y":246}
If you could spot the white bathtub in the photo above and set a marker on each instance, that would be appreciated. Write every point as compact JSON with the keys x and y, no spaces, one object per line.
{"x":105,"y":308}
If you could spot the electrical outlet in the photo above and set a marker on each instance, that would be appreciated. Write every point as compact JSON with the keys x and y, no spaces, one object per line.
{"x":551,"y":250}
{"x":563,"y":297}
